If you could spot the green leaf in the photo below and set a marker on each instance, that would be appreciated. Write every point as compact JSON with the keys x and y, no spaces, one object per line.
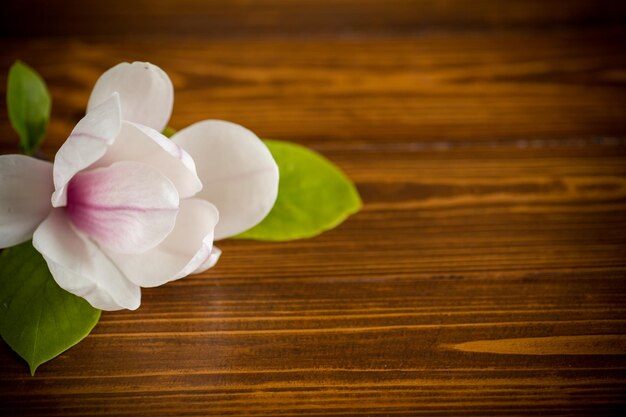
{"x":28,"y":102}
{"x":313,"y":196}
{"x":168,"y":131}
{"x":39,"y":319}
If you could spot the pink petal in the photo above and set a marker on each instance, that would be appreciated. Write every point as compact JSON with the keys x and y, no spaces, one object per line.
{"x":87,"y":143}
{"x":146,"y":93}
{"x":25,"y":190}
{"x":80,"y":267}
{"x":143,"y":144}
{"x":237,"y":171}
{"x":128,"y":207}
{"x":182,"y":252}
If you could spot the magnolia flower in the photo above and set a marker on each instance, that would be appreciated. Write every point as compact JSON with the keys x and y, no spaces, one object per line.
{"x":124,"y":207}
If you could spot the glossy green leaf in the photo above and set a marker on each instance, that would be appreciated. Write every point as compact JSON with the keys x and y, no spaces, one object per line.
{"x":313,"y":196}
{"x":28,"y":102}
{"x":38,"y":319}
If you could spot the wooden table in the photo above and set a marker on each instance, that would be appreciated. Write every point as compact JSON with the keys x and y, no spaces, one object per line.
{"x":485,"y":274}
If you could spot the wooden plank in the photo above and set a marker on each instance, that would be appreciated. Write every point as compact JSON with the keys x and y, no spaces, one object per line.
{"x":224,"y":18}
{"x":484,"y":276}
{"x":458,"y":246}
{"x":436,"y":89}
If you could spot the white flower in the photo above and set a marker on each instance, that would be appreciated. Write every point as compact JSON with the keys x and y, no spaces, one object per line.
{"x":124,"y":207}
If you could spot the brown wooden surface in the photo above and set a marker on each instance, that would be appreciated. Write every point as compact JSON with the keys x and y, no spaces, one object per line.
{"x":235,"y":18}
{"x":486,"y":272}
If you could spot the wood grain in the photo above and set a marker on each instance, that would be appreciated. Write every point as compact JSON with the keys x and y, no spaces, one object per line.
{"x":430,"y":89}
{"x":485,"y":274}
{"x":226,"y":18}
{"x":551,"y":345}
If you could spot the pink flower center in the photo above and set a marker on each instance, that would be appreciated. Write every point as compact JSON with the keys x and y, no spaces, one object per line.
{"x":128,"y":207}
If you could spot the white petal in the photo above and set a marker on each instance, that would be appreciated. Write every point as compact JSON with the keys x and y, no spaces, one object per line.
{"x":185,"y":249}
{"x":143,"y":144}
{"x":87,"y":143}
{"x":80,"y":267}
{"x":146,"y":93}
{"x":128,"y":207}
{"x":25,"y":190}
{"x":210,"y":262}
{"x":238,"y":173}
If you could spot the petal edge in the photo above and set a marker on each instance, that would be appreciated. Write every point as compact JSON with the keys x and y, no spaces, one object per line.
{"x":81,"y":268}
{"x":181,"y":253}
{"x":238,"y":173}
{"x":146,"y":93}
{"x":87,"y":143}
{"x":24,"y":197}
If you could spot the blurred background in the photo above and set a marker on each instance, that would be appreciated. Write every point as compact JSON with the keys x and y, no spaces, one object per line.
{"x":318,"y":71}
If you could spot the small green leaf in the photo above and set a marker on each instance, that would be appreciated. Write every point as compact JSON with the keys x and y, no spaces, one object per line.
{"x":313,"y":196}
{"x":168,"y":131}
{"x":39,"y":319}
{"x":28,"y":102}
